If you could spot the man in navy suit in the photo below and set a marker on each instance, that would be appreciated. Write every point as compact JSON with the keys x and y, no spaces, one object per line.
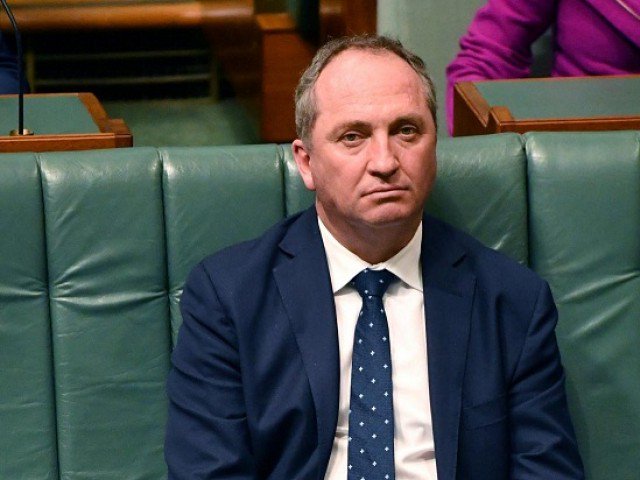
{"x":8,"y":68}
{"x":261,"y":380}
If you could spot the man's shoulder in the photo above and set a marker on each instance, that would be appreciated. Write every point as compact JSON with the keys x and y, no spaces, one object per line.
{"x":488,"y":264}
{"x":268,"y":240}
{"x":256,"y":255}
{"x":512,"y":291}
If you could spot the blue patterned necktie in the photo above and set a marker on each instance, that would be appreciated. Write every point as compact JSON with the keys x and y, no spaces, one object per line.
{"x":371,"y":408}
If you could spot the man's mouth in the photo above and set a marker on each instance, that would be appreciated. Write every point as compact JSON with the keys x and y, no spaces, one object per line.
{"x":386,"y":190}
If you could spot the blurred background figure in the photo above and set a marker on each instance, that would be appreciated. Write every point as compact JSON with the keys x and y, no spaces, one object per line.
{"x":8,"y":68}
{"x":590,"y":37}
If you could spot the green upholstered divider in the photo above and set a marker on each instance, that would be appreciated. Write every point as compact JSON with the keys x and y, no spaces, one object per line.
{"x":27,"y":414}
{"x":584,"y":194}
{"x":214,"y":197}
{"x":482,"y":190}
{"x":109,"y":310}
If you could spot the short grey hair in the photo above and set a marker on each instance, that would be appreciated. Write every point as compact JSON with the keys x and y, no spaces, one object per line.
{"x":306,"y":105}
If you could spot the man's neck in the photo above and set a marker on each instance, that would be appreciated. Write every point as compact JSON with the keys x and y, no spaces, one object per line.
{"x":374,"y":244}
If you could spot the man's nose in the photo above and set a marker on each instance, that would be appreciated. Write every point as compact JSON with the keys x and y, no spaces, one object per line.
{"x":383,"y":159}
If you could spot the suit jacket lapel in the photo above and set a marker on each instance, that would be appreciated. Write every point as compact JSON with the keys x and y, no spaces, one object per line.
{"x":305,"y":287}
{"x":448,"y":291}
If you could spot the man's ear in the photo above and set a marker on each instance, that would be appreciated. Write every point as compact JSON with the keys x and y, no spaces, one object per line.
{"x":302,"y":156}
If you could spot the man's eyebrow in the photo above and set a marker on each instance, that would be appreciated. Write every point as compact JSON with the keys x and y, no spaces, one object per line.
{"x":415,"y":119}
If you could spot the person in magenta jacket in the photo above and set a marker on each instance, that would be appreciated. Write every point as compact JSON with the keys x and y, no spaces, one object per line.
{"x":8,"y":68}
{"x":591,"y":37}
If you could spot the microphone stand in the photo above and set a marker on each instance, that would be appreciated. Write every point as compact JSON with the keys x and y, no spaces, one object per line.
{"x":21,"y":130}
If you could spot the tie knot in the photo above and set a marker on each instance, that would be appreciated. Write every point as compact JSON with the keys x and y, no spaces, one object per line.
{"x":373,"y":283}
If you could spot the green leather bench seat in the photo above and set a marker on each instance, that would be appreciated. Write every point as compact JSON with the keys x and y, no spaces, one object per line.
{"x":104,"y":232}
{"x":584,"y":194}
{"x":481,"y":189}
{"x":27,"y":405}
{"x":213,"y":198}
{"x":96,"y":246}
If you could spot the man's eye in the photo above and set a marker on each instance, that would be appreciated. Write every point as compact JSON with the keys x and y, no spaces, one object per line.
{"x":350,"y":137}
{"x":408,"y":130}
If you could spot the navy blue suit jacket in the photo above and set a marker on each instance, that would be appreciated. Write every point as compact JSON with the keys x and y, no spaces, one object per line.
{"x":8,"y":68}
{"x":254,"y":385}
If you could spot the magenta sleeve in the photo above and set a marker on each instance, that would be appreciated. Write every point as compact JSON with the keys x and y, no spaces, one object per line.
{"x":498,"y":43}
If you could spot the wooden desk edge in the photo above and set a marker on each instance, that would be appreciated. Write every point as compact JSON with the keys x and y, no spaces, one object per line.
{"x":113,"y":133}
{"x":470,"y":110}
{"x":115,"y":126}
{"x":54,"y":143}
{"x":582,"y":124}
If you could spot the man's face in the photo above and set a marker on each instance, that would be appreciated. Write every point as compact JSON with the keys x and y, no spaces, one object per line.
{"x":372,"y":155}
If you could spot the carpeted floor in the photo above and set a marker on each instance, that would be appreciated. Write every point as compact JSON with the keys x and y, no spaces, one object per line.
{"x":187,"y":122}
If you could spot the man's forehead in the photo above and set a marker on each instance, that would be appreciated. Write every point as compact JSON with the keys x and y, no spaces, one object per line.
{"x":360,"y":75}
{"x":359,"y":57}
{"x":355,"y":70}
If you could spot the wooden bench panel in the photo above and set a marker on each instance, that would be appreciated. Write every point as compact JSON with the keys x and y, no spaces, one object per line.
{"x":86,"y":15}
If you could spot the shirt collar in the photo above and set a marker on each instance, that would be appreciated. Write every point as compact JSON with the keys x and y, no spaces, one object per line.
{"x":344,"y":264}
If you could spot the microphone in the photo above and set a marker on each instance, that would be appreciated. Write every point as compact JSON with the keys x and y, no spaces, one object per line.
{"x":16,"y":32}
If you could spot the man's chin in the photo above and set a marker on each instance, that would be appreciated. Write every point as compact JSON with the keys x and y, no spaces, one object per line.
{"x":390,"y":216}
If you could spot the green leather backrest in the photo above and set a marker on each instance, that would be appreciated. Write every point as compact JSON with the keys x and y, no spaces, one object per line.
{"x":27,"y":411}
{"x":584,"y":198}
{"x":104,"y":230}
{"x":214,"y":197}
{"x":481,"y":189}
{"x":298,"y":197}
{"x":98,"y":246}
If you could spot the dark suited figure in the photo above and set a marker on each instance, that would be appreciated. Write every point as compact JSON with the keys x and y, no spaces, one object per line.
{"x":8,"y":68}
{"x":263,"y":385}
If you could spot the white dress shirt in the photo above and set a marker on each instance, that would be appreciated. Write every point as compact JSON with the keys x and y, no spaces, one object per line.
{"x":404,"y":305}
